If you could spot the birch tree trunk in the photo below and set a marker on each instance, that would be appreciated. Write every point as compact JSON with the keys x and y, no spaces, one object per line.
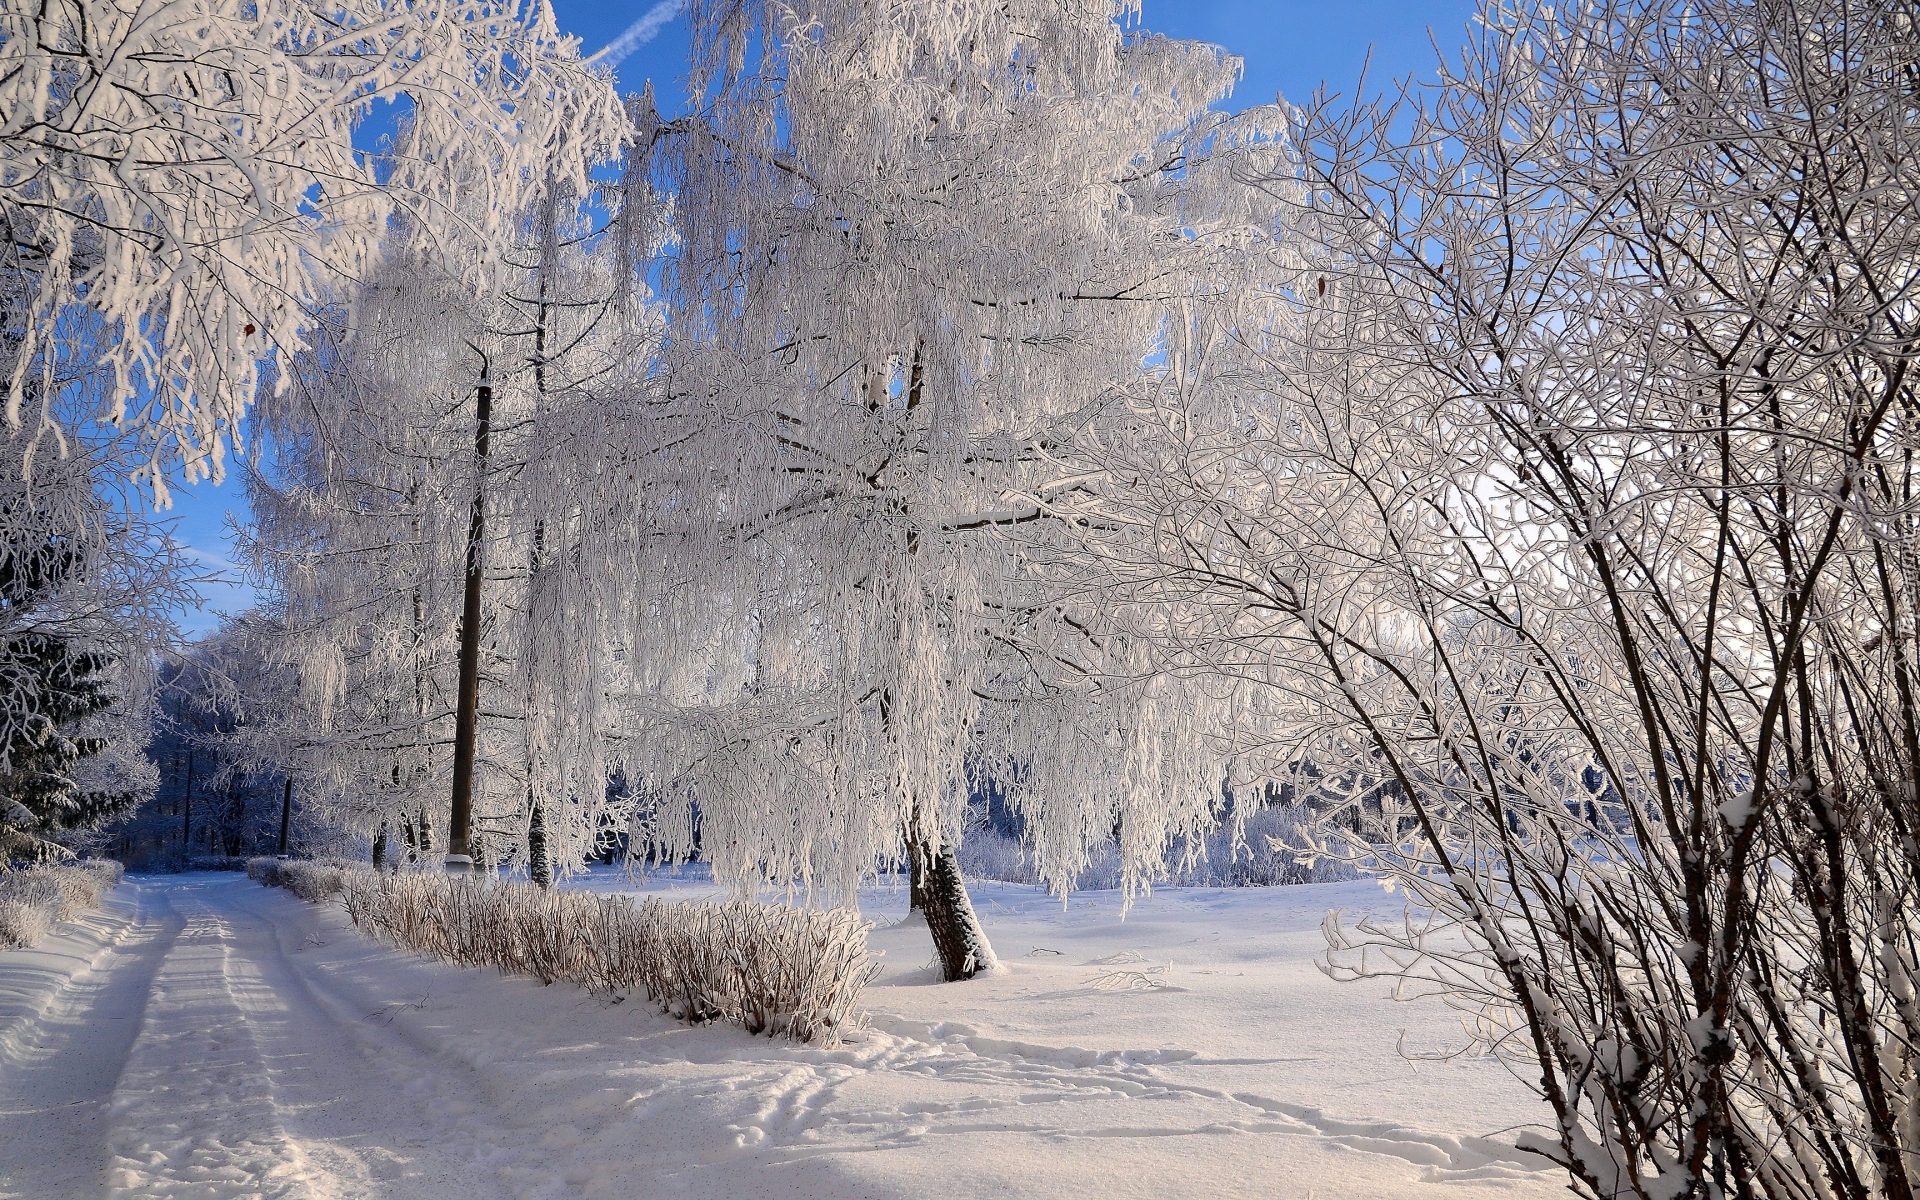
{"x":957,"y":936}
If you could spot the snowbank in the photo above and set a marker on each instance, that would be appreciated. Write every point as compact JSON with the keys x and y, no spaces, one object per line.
{"x":202,"y":1036}
{"x":35,"y":899}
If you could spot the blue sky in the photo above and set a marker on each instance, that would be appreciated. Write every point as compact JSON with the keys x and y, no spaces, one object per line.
{"x":1290,"y":48}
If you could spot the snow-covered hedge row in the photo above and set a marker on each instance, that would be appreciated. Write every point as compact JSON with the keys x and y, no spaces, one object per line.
{"x":313,"y":880}
{"x":35,"y":899}
{"x":768,"y":968}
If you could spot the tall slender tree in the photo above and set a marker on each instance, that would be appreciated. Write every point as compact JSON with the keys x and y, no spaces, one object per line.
{"x":441,"y":575}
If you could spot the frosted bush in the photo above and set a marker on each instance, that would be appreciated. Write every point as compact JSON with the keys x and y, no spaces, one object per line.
{"x":35,"y":899}
{"x":768,"y":968}
{"x":23,"y":922}
{"x":1266,"y":859}
{"x":315,"y":881}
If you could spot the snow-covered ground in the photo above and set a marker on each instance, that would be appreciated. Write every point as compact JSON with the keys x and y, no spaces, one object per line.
{"x":203,"y":1036}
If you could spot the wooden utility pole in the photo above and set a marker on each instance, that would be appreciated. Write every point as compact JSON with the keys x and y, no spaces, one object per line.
{"x":286,"y":812}
{"x":466,"y":721}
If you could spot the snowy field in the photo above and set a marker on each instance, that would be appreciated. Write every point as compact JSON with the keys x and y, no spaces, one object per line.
{"x":203,"y":1036}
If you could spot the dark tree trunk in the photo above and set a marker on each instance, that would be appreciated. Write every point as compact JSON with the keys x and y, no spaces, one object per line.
{"x":916,"y":874}
{"x":466,"y":722}
{"x":539,"y":866}
{"x":286,"y":813}
{"x":539,"y":863}
{"x":380,"y":848}
{"x":233,"y":825}
{"x":957,"y":936}
{"x":186,"y":811}
{"x":934,"y":886}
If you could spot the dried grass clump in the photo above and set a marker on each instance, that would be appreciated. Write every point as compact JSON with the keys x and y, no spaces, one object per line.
{"x":769,"y":968}
{"x":35,"y":899}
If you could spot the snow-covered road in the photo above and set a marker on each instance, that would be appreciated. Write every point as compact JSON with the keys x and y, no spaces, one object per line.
{"x":206,"y":1037}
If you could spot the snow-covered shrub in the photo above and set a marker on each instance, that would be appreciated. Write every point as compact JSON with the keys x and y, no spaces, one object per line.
{"x":24,"y":918}
{"x":1265,"y":858}
{"x":312,"y":880}
{"x":1546,"y":527}
{"x":35,"y":899}
{"x":991,"y":854}
{"x":769,"y":968}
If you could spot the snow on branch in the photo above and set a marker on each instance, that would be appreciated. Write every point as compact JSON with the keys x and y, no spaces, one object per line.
{"x":187,"y":174}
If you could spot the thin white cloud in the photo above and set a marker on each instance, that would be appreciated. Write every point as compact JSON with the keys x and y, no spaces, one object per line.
{"x":209,"y":558}
{"x":220,"y":590}
{"x":640,"y":32}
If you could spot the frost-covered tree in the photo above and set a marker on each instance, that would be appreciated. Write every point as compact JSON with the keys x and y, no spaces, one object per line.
{"x":85,"y":594}
{"x":40,"y":788}
{"x":402,"y":516}
{"x":357,"y":543}
{"x":87,"y":590}
{"x":183,"y":178}
{"x":913,"y":243}
{"x":221,"y":756}
{"x":572,"y":531}
{"x":1569,"y":489}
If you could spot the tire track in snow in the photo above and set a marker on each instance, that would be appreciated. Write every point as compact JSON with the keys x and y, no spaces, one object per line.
{"x":63,"y":1060}
{"x":259,"y":1075}
{"x":193,"y":1113}
{"x":416,"y":1097}
{"x":377,"y":1109}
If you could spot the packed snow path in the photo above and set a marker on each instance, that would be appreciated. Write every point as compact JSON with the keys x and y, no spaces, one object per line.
{"x":203,"y":1036}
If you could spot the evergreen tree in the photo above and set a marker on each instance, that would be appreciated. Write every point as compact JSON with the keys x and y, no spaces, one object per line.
{"x":55,"y":684}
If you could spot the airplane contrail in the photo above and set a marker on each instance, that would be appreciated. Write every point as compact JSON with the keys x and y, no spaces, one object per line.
{"x":640,"y":32}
